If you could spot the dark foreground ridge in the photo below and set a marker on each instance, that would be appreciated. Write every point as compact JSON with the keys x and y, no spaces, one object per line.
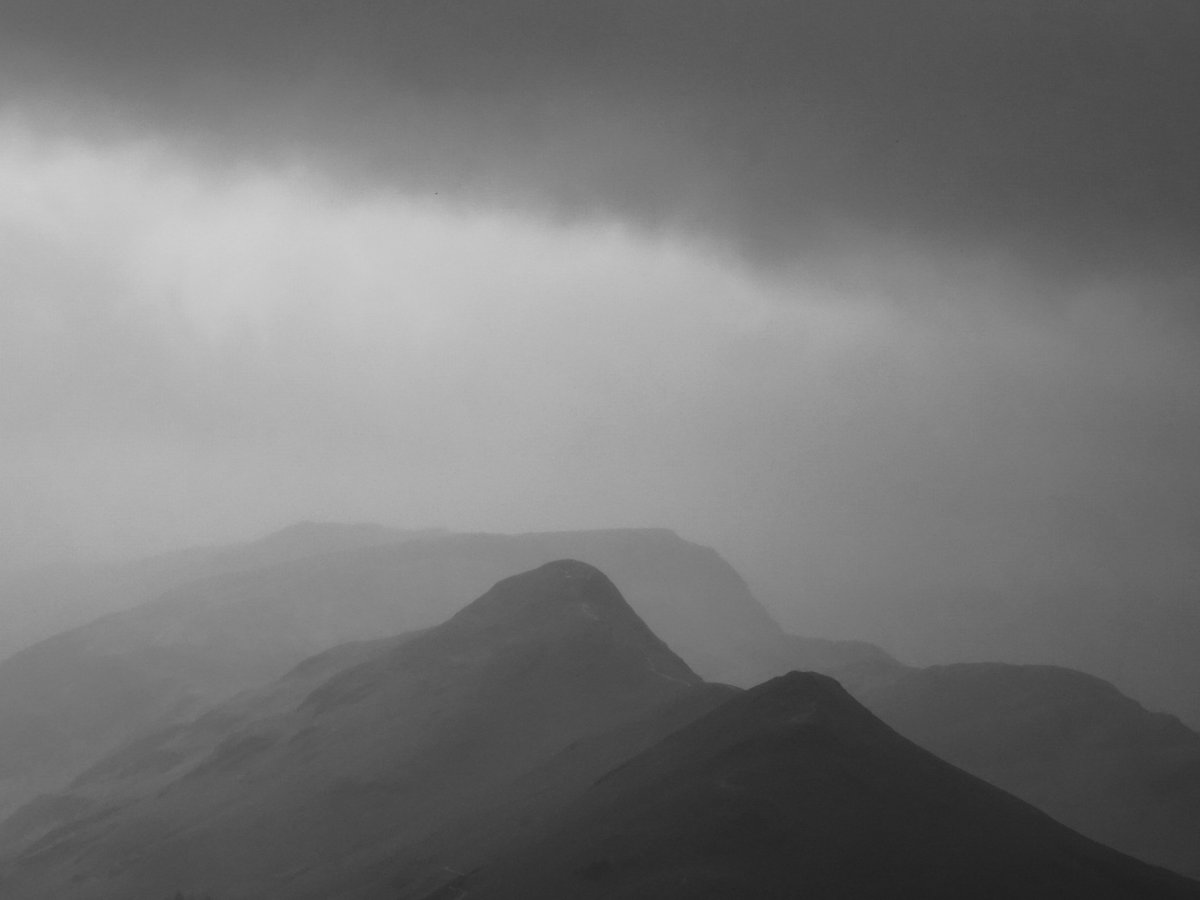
{"x":1069,"y":743}
{"x":793,"y":789}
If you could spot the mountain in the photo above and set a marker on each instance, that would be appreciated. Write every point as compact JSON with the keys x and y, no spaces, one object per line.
{"x":793,"y":789}
{"x":68,"y":699}
{"x":1068,"y":743}
{"x":1141,"y":639}
{"x":72,"y":699}
{"x":39,"y":602}
{"x":368,"y":750}
{"x":542,"y":742}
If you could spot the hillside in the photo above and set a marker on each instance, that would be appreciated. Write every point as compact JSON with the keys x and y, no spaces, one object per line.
{"x":542,"y":742}
{"x":794,"y":790}
{"x":72,"y":697}
{"x":40,"y":602}
{"x":398,"y":739}
{"x":1068,"y":743}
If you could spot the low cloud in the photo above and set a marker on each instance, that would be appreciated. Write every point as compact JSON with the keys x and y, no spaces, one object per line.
{"x":882,"y":299}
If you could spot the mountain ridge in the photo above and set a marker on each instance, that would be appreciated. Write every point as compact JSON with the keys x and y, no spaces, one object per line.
{"x":794,"y":789}
{"x":419,"y":730}
{"x":82,"y":692}
{"x":543,"y":710}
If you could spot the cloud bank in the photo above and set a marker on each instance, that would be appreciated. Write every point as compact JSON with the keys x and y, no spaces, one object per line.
{"x":1062,"y":135}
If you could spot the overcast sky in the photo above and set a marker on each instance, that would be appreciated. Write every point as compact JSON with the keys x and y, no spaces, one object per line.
{"x":866,"y":294}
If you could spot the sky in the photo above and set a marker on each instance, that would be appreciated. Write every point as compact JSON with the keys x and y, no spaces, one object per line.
{"x":885,"y":301}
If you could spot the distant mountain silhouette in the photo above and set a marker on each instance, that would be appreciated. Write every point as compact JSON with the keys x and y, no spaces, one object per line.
{"x":1141,"y":640}
{"x":794,"y":790}
{"x":39,"y":602}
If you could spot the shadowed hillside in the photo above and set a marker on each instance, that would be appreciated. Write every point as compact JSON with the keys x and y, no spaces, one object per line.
{"x":1068,"y":743}
{"x":794,"y":790}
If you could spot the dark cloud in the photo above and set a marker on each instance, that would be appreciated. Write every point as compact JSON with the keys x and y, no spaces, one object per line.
{"x":1062,"y":133}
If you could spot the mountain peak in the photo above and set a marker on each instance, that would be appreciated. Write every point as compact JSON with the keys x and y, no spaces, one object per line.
{"x":563,"y":586}
{"x":562,"y":602}
{"x":570,"y":570}
{"x":792,"y":704}
{"x":813,"y":688}
{"x":794,"y":789}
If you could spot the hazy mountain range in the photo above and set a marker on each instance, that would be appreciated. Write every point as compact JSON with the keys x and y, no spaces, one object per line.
{"x":164,"y":661}
{"x":544,"y":742}
{"x":890,"y":308}
{"x":308,"y":679}
{"x":42,"y":601}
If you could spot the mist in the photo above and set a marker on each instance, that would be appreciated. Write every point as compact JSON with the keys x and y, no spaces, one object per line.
{"x":598,"y":449}
{"x":895,"y":308}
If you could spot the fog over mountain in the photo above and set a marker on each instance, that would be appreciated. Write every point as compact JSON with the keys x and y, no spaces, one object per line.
{"x":38,"y":602}
{"x":543,"y":742}
{"x":113,"y":709}
{"x":891,"y":304}
{"x":875,"y":322}
{"x":223,"y":625}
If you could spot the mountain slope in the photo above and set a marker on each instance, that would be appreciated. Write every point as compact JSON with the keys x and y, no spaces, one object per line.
{"x":1066,"y":742}
{"x":795,"y":790}
{"x":40,"y":602}
{"x":398,"y":739}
